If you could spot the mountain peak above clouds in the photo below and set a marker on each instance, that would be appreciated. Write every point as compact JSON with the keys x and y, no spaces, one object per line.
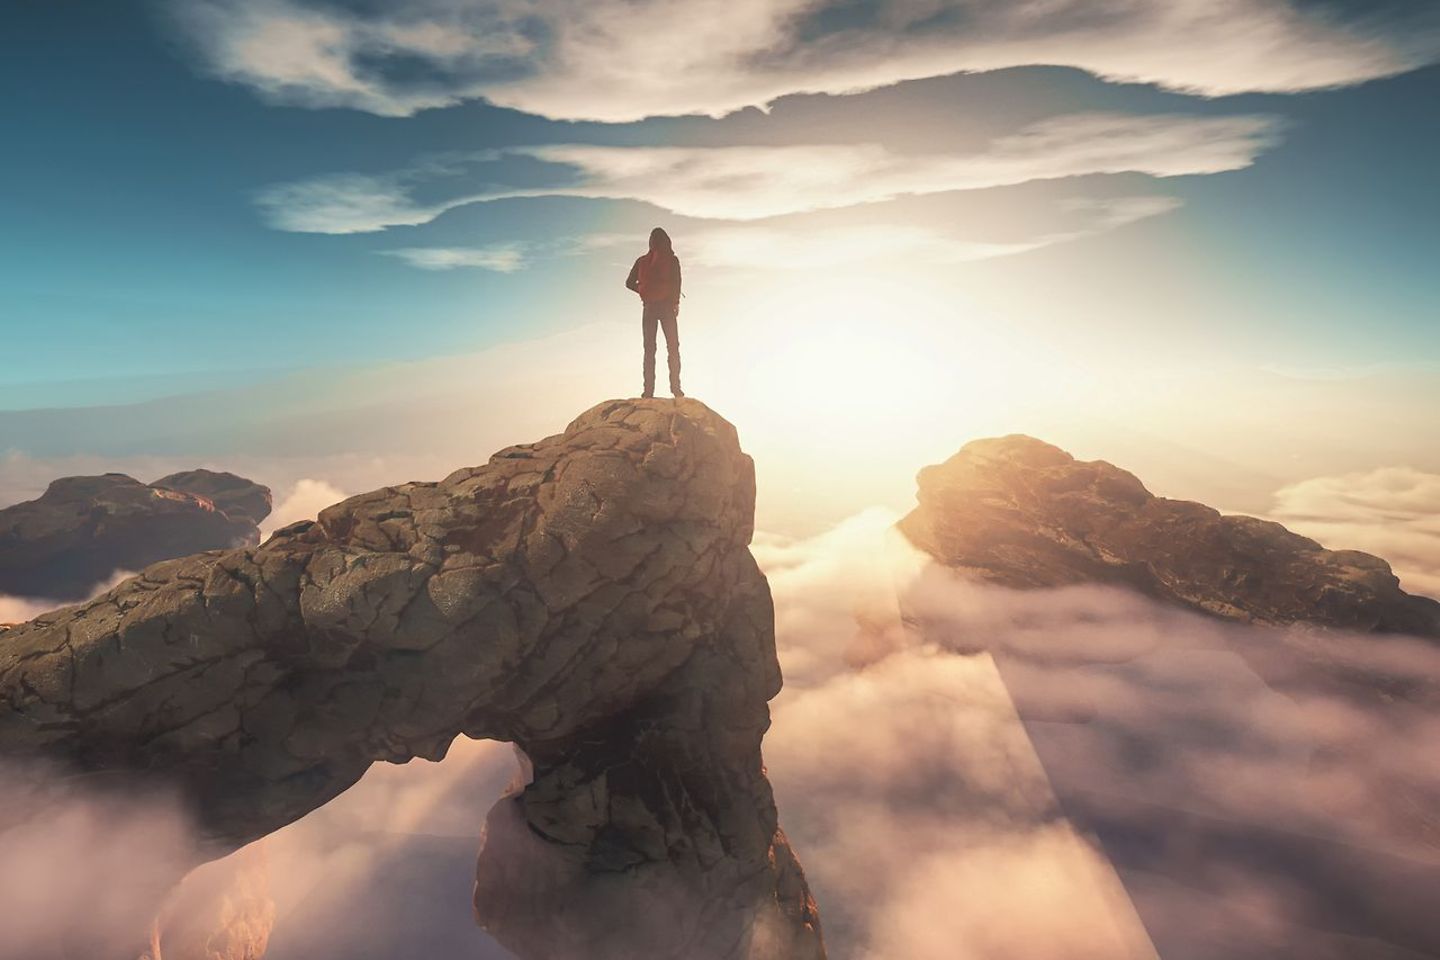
{"x":1019,"y":512}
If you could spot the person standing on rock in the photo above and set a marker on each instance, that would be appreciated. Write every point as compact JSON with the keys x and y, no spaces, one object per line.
{"x":656,"y":277}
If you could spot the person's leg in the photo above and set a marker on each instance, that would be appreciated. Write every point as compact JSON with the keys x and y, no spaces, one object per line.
{"x":648,"y":320}
{"x":671,"y":324}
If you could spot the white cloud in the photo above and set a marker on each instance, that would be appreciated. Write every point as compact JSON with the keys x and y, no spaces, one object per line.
{"x":755,"y":182}
{"x":296,"y":54}
{"x":304,"y":502}
{"x":926,"y":825}
{"x":1393,"y":512}
{"x":622,"y":60}
{"x":916,"y":801}
{"x":501,"y":257}
{"x":791,"y":247}
{"x":343,"y":203}
{"x":20,"y":609}
{"x":923,"y":810}
{"x":749,"y":183}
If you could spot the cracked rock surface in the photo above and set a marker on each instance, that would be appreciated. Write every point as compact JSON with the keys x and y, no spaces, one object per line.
{"x":1022,"y":513}
{"x":590,"y":598}
{"x":83,"y":529}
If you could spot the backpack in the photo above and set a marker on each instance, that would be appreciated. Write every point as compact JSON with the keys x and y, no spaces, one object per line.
{"x":659,"y":277}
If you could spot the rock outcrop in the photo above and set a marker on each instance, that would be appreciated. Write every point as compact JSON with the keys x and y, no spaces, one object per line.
{"x":232,"y":495}
{"x":1022,"y":513}
{"x":1271,"y":755}
{"x":84,"y":529}
{"x":590,"y":598}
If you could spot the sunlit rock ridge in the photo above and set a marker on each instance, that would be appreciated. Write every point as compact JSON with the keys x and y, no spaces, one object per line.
{"x":84,"y":529}
{"x":1021,"y":513}
{"x":590,"y":598}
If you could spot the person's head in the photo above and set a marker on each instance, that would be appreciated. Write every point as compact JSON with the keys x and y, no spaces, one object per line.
{"x":660,"y":240}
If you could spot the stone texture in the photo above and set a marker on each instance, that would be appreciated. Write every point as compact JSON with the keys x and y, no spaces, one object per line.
{"x":1022,"y":513}
{"x":84,"y":529}
{"x":232,"y":495}
{"x":590,"y":597}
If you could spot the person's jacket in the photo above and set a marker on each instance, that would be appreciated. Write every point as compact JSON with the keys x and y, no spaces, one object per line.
{"x":656,"y":274}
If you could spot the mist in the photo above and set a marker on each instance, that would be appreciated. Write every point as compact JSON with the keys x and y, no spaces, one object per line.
{"x":975,"y":772}
{"x":833,"y":431}
{"x":84,"y":866}
{"x":965,"y":772}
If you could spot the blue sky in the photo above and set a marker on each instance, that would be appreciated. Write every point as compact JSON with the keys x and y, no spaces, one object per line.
{"x":138,"y":148}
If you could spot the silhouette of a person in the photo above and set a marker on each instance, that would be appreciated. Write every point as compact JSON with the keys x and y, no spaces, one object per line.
{"x":656,"y":277}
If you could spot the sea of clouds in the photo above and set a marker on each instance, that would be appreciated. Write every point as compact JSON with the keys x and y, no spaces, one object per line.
{"x":965,"y":771}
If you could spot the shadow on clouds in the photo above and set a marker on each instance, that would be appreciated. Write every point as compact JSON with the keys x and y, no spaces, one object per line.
{"x":966,"y":772}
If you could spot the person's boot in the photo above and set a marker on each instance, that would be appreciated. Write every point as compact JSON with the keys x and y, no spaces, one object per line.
{"x":677,"y":393}
{"x":648,"y":395}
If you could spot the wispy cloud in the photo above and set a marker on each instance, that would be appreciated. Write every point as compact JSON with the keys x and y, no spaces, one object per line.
{"x":793,"y":247}
{"x":755,"y":182}
{"x":317,"y":56}
{"x":1393,"y":512}
{"x":501,"y":258}
{"x":622,"y":60}
{"x":750,"y":183}
{"x":84,"y":865}
{"x":345,"y":203}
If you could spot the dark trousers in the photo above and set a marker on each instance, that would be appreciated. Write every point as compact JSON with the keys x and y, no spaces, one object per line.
{"x":663,"y":315}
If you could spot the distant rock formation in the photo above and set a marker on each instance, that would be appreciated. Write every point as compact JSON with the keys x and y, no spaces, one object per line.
{"x":84,"y":529}
{"x":590,"y":598}
{"x":1273,"y":756}
{"x":1022,"y":513}
{"x":234,"y":496}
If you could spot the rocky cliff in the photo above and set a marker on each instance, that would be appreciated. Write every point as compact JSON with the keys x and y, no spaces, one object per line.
{"x":590,"y":598}
{"x":84,"y":529}
{"x":1022,"y":513}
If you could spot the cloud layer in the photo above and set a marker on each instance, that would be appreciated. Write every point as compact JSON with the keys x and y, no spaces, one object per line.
{"x":921,"y":801}
{"x":1392,"y":512}
{"x":791,"y":247}
{"x":20,"y":609}
{"x":82,"y":870}
{"x":1242,"y":819}
{"x":621,"y":60}
{"x":754,"y":182}
{"x":500,"y":257}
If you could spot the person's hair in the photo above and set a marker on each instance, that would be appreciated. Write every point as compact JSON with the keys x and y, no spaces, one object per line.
{"x":660,"y":240}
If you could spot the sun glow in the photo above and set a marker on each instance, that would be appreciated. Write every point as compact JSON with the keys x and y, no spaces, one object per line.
{"x":853,"y":349}
{"x":862,"y":354}
{"x":864,"y":377}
